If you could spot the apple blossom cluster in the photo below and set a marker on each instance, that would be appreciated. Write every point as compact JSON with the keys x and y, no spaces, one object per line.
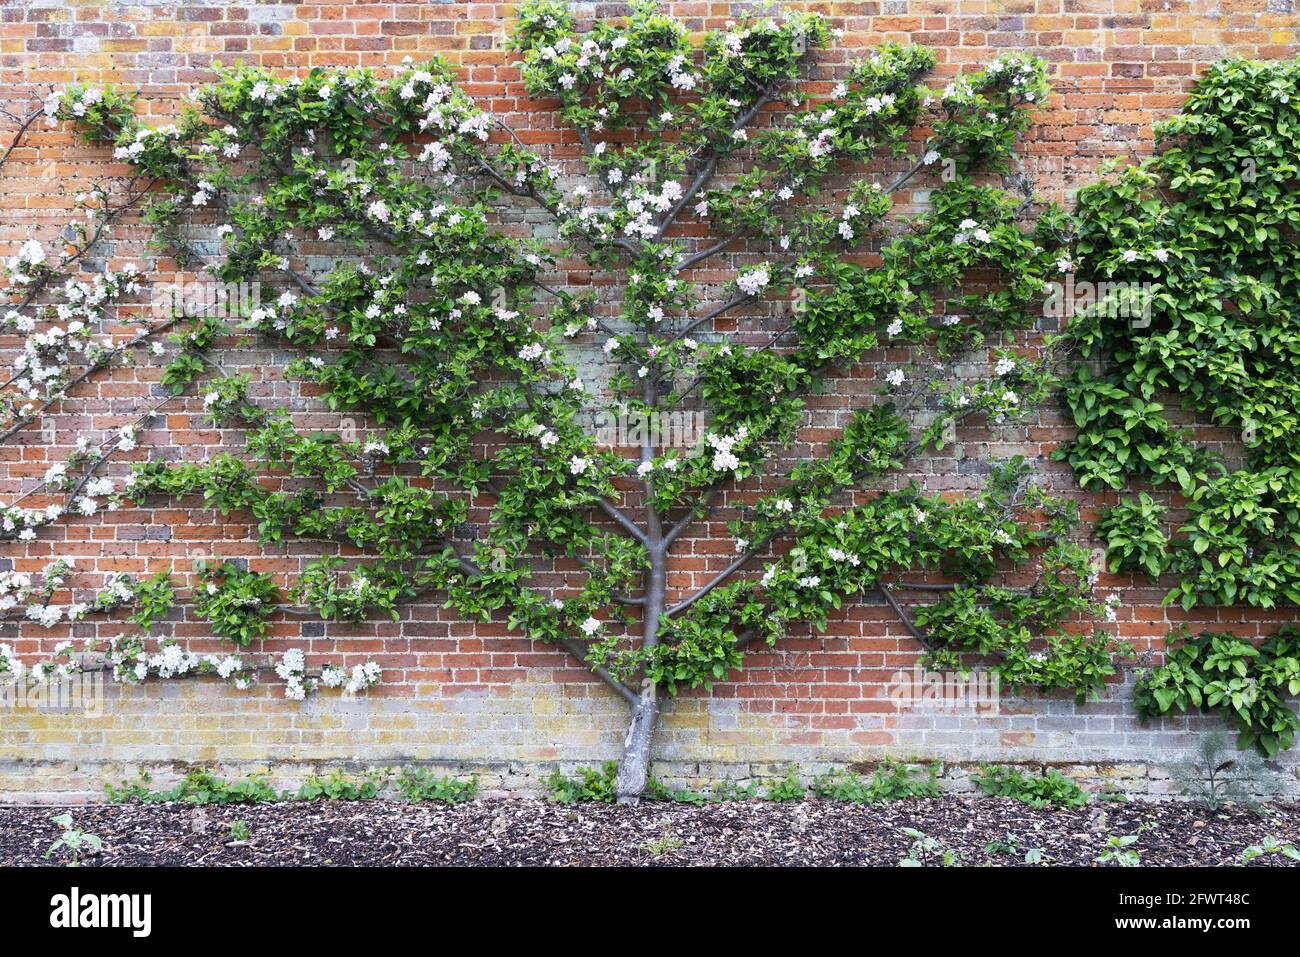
{"x":361,"y":677}
{"x":76,"y":476}
{"x":28,"y":264}
{"x":128,"y":661}
{"x":650,"y":53}
{"x":50,"y":615}
{"x":354,"y":191}
{"x":821,"y":146}
{"x":60,"y":664}
{"x":1017,"y":73}
{"x":753,"y":281}
{"x":19,"y":589}
{"x":444,"y":109}
{"x":724,"y":449}
{"x":639,"y":208}
{"x":1017,"y":384}
{"x":577,"y":217}
{"x":970,"y":231}
{"x":15,"y":590}
{"x":9,"y":662}
{"x":46,"y":366}
{"x":118,"y":591}
{"x":23,"y":523}
{"x":292,"y":669}
{"x":144,"y":138}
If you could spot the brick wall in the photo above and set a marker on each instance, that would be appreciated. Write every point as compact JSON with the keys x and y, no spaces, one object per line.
{"x":472,"y":697}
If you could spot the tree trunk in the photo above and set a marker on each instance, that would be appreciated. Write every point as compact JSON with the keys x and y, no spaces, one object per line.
{"x":634,"y":764}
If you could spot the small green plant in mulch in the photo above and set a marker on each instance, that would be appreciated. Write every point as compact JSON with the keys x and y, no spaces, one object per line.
{"x":723,"y":792}
{"x":1009,"y":846}
{"x":890,"y":782}
{"x":74,"y":841}
{"x":240,"y":832}
{"x":663,"y":845}
{"x":1119,"y":851}
{"x":422,"y":784}
{"x":598,"y":785}
{"x":926,"y":851}
{"x":202,"y":786}
{"x":199,"y":786}
{"x":1216,"y":774}
{"x":338,"y":786}
{"x":1267,"y":847}
{"x":656,"y":790}
{"x":788,"y":788}
{"x":1052,"y":788}
{"x":588,"y":784}
{"x":728,"y":790}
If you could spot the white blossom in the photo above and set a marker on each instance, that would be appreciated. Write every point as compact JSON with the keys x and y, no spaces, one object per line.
{"x":753,"y":282}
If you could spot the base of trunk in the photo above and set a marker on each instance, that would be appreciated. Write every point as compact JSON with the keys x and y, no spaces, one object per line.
{"x":634,"y":763}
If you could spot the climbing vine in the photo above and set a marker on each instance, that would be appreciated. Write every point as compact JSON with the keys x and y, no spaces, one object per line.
{"x":1221,"y":673}
{"x":1204,"y":232}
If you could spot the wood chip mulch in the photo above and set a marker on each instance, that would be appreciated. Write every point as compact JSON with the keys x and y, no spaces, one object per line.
{"x":534,"y":832}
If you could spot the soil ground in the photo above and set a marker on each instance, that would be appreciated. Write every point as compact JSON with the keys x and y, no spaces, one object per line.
{"x":534,"y":832}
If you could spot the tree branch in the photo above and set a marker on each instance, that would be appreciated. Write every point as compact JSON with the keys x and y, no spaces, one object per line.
{"x":23,"y":127}
{"x":622,"y":520}
{"x":717,"y":579}
{"x":102,"y":362}
{"x":704,"y":254}
{"x":626,"y":693}
{"x":697,"y":511}
{"x":708,"y":316}
{"x":711,"y":165}
{"x":910,"y":625}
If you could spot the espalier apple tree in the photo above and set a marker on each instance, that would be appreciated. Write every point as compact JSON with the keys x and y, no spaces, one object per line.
{"x":383,"y":214}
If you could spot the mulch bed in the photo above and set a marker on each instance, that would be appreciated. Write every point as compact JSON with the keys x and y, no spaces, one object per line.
{"x":534,"y":832}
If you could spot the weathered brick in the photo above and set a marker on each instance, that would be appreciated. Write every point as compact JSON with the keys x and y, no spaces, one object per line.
{"x":464,"y":698}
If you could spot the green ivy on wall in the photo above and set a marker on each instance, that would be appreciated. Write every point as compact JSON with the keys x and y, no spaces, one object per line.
{"x":1202,"y":319}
